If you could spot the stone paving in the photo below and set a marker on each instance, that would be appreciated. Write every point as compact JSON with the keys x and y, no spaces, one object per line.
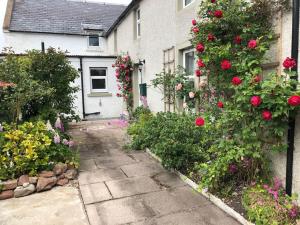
{"x":132,"y":188}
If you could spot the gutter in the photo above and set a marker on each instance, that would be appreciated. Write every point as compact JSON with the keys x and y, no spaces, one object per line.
{"x":292,"y":120}
{"x":82,"y":87}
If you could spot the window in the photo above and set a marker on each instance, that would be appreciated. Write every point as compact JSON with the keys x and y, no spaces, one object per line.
{"x":187,"y":2}
{"x":94,"y":41}
{"x":138,"y":23}
{"x":98,"y":79}
{"x":189,"y":61}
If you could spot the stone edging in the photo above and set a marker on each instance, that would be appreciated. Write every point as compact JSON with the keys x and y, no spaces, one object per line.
{"x":215,"y":200}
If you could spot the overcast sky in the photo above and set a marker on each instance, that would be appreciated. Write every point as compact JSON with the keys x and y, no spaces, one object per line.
{"x":126,"y":2}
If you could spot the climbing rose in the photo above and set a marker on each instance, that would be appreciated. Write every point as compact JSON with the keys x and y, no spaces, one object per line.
{"x":194,"y":22}
{"x":199,"y":122}
{"x":218,"y":13}
{"x":289,"y":63}
{"x":213,"y":1}
{"x":192,"y":94}
{"x":196,"y":30}
{"x":266,"y":115}
{"x":225,"y":64}
{"x":179,"y":87}
{"x":237,"y":40}
{"x":220,"y":105}
{"x":257,"y":79}
{"x":211,"y":37}
{"x":252,"y":44}
{"x":294,"y":100}
{"x":200,"y":63}
{"x":198,"y":73}
{"x":255,"y":101}
{"x":200,"y":47}
{"x":236,"y":81}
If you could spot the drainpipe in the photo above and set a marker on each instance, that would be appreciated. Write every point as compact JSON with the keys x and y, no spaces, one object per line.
{"x":292,"y":121}
{"x":82,"y":87}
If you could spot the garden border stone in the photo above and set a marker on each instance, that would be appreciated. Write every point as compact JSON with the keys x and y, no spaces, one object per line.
{"x":215,"y":200}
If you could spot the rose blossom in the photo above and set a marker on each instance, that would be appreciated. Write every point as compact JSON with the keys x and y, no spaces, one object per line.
{"x":194,"y":22}
{"x":289,"y":63}
{"x":199,"y":122}
{"x":218,"y":14}
{"x":198,"y":73}
{"x":252,"y":44}
{"x":220,"y":105}
{"x":225,"y":64}
{"x":266,"y":115}
{"x":294,"y":100}
{"x":184,"y":105}
{"x":179,"y":87}
{"x":257,"y":79}
{"x":237,"y":40}
{"x":202,"y":83}
{"x":200,"y":63}
{"x":256,"y":101}
{"x":196,"y":30}
{"x":192,"y":94}
{"x":213,"y":1}
{"x":200,"y":47}
{"x":236,"y":81}
{"x":211,"y":37}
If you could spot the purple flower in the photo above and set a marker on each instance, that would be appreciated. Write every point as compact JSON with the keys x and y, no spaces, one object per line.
{"x":293,"y":213}
{"x":233,"y":168}
{"x":277,"y":183}
{"x":65,"y":142}
{"x":71,"y":144}
{"x":56,"y":139}
{"x":59,"y":125}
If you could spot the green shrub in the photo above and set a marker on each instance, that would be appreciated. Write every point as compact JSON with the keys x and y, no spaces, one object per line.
{"x":269,"y":205}
{"x":140,"y":111}
{"x":30,"y":148}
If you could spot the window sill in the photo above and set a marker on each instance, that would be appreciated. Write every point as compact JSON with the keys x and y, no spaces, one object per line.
{"x":100,"y":94}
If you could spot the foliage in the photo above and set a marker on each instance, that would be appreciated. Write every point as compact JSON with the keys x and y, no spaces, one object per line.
{"x":30,"y":148}
{"x":42,"y":87}
{"x":267,"y":205}
{"x":140,"y":111}
{"x":124,"y":68}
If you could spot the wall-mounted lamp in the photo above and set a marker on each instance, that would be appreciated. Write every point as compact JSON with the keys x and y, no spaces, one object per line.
{"x":141,"y":64}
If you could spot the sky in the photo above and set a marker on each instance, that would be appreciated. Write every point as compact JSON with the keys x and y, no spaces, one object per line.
{"x":126,"y":2}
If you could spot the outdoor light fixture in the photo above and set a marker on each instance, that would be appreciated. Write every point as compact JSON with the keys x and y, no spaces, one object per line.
{"x":141,"y":64}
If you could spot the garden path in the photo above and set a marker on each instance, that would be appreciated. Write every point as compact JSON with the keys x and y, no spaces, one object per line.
{"x":132,"y":188}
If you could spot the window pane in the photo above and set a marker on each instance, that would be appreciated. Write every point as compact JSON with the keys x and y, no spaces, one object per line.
{"x":186,"y":2}
{"x":138,"y":14}
{"x":189,"y":62}
{"x":139,"y":29}
{"x":98,"y":84}
{"x":93,"y":41}
{"x":98,"y":72}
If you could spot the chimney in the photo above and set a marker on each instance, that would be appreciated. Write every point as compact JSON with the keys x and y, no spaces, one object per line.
{"x":8,"y":14}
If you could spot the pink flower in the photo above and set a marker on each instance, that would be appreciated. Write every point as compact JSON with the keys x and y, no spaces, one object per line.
{"x":196,"y":30}
{"x":257,"y":79}
{"x":213,"y":1}
{"x":192,"y":94}
{"x":211,"y":37}
{"x":179,"y":87}
{"x":218,"y":14}
{"x":294,"y":100}
{"x":199,"y":122}
{"x":200,"y":47}
{"x":194,"y":22}
{"x":266,"y":115}
{"x":71,"y":144}
{"x":65,"y":142}
{"x":200,"y":63}
{"x":237,"y":40}
{"x":289,"y":63}
{"x":225,"y":64}
{"x":198,"y":73}
{"x":252,"y":44}
{"x":236,"y":81}
{"x":256,"y":101}
{"x":59,"y":125}
{"x":56,"y":139}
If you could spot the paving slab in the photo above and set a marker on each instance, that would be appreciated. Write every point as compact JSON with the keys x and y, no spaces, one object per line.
{"x":92,"y":193}
{"x":100,"y":175}
{"x":113,"y":161}
{"x":142,"y":169}
{"x":168,"y":179}
{"x":141,"y":156}
{"x":86,"y":165}
{"x":132,"y":186}
{"x":60,"y":206}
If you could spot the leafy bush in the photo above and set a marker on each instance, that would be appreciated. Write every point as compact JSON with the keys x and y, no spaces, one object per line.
{"x":30,"y":148}
{"x":269,"y":205}
{"x":140,"y":111}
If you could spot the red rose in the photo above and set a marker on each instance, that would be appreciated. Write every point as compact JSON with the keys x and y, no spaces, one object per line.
{"x":200,"y":63}
{"x":198,"y":73}
{"x":199,"y":122}
{"x":266,"y":115}
{"x":220,"y":105}
{"x":113,"y":65}
{"x":218,"y":13}
{"x":194,"y":22}
{"x":237,"y":40}
{"x":256,"y":101}
{"x":196,"y":30}
{"x":294,"y":100}
{"x":252,"y":44}
{"x":236,"y":81}
{"x":200,"y":47}
{"x":225,"y":64}
{"x":289,"y":63}
{"x":257,"y":79}
{"x":213,"y":1}
{"x":211,"y":37}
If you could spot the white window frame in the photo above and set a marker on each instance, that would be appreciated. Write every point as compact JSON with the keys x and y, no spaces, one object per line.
{"x":192,"y":76}
{"x":138,"y":23}
{"x":98,"y":78}
{"x":184,"y":5}
{"x":93,"y":48}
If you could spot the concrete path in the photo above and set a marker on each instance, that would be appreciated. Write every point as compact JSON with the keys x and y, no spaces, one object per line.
{"x":132,"y":188}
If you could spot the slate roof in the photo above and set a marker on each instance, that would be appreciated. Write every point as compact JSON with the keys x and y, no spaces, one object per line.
{"x":63,"y":16}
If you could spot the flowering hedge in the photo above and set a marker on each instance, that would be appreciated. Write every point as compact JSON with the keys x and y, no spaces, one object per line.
{"x":124,"y":68}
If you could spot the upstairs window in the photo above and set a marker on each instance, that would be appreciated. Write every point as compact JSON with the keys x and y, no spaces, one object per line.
{"x":93,"y":41}
{"x":138,"y":23}
{"x":187,"y":2}
{"x":98,"y":79}
{"x":189,"y":62}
